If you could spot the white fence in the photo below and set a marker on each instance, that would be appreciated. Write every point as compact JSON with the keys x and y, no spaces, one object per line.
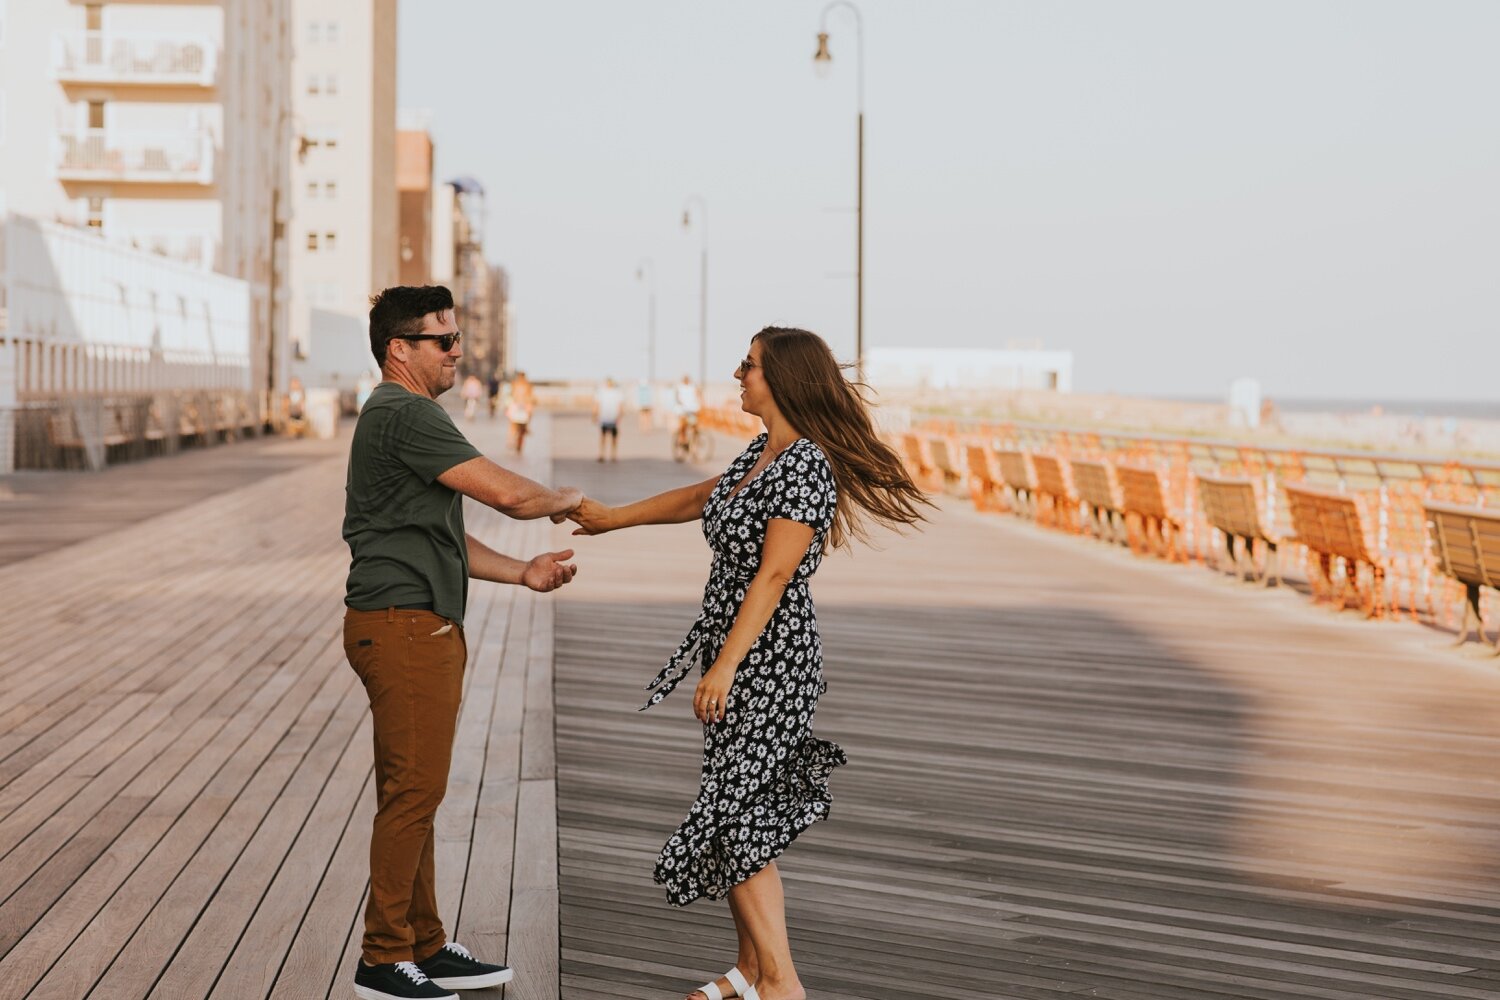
{"x":83,"y":321}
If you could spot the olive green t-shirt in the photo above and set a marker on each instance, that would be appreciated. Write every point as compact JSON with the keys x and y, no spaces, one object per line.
{"x":404,"y":528}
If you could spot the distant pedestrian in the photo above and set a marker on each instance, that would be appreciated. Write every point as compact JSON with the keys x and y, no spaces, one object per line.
{"x":492,"y":393}
{"x":645,"y":400}
{"x":409,"y":469}
{"x":472,"y":390}
{"x":812,"y":482}
{"x":609,"y":400}
{"x":518,"y":411}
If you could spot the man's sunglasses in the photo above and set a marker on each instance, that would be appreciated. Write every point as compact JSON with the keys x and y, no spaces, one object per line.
{"x":445,"y":341}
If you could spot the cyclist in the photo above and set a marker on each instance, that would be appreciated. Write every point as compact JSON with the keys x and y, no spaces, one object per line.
{"x":687,"y":402}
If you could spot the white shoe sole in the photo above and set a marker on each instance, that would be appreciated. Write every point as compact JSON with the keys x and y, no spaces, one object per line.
{"x":370,"y":993}
{"x":476,"y":982}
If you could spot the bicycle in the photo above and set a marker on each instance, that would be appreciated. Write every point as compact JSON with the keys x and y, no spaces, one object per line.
{"x":691,"y":442}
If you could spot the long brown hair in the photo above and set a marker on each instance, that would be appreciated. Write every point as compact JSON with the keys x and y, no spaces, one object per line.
{"x":811,"y":392}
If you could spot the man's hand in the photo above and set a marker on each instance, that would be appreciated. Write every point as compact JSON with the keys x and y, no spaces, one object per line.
{"x":549,"y":571}
{"x":592,"y":517}
{"x":572,"y":496}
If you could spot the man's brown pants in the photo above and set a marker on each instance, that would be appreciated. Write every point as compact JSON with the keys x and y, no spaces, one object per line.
{"x":412,"y":666}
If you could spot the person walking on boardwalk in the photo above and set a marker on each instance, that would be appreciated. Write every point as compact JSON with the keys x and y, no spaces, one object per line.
{"x":609,"y":400}
{"x":811,"y":482}
{"x":518,"y":410}
{"x":409,"y":469}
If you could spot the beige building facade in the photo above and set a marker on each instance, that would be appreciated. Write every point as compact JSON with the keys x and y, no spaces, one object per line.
{"x":161,"y":126}
{"x":342,"y":236}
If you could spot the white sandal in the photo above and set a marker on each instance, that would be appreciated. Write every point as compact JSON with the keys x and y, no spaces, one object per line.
{"x":742,"y":987}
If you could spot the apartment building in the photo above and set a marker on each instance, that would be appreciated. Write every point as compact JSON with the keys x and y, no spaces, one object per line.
{"x":414,"y":191}
{"x":342,"y":235}
{"x":162,"y":126}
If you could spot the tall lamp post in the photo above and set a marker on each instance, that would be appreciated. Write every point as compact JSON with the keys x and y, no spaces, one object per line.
{"x":646,"y":271}
{"x":687,"y":223}
{"x":823,"y":64}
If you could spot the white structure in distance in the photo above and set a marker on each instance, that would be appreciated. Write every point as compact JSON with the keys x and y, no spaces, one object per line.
{"x":941,"y":368}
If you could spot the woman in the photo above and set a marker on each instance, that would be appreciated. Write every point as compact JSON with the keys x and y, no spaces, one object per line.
{"x":809,"y":483}
{"x":518,"y":410}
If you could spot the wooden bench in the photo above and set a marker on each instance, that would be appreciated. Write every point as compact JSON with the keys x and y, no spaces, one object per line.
{"x":1335,"y":526}
{"x":1143,"y":497}
{"x":953,"y":475}
{"x":986,"y":487}
{"x":923,"y":472}
{"x":191,"y":427}
{"x":1466,"y":542}
{"x":1055,"y":486}
{"x":1098,"y":489}
{"x":1233,"y":507}
{"x":1018,"y":477}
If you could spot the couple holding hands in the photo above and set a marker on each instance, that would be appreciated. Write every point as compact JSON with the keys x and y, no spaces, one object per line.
{"x":813,"y":481}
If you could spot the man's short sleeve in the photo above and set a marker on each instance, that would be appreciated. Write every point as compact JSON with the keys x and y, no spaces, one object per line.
{"x":425,"y":440}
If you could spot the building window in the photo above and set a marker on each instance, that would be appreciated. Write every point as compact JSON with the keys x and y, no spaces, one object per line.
{"x":312,"y":189}
{"x":93,"y":16}
{"x":96,"y":114}
{"x":332,"y":32}
{"x":95,"y":218}
{"x":331,"y":138}
{"x":331,"y":190}
{"x":331,"y":85}
{"x":312,"y":242}
{"x":330,"y":241}
{"x":313,"y":82}
{"x":314,"y":32}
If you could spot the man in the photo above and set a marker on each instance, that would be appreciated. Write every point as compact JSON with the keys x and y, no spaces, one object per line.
{"x":409,"y":469}
{"x":609,"y":400}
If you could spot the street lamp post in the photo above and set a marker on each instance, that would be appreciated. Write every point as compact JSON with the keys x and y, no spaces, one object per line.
{"x":823,"y":62}
{"x":646,"y":271}
{"x":687,"y":223}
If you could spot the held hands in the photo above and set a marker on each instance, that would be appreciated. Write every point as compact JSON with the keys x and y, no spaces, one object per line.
{"x":572,"y":497}
{"x":549,"y":571}
{"x":592,"y":517}
{"x":713,"y":693}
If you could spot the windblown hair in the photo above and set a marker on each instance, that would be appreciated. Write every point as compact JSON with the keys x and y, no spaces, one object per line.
{"x":398,"y":311}
{"x":810,"y":390}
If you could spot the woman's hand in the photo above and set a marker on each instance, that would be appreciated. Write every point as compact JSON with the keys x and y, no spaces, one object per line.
{"x":549,"y":571}
{"x":592,"y":517}
{"x":713,"y":693}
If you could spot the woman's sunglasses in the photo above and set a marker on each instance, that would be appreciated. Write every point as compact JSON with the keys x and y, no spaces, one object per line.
{"x":445,"y":341}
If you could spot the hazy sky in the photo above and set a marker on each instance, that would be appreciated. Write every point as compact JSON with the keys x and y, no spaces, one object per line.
{"x":1304,"y":191}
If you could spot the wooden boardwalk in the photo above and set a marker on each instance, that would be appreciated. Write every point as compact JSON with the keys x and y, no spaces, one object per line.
{"x":1072,"y":772}
{"x":185,"y":757}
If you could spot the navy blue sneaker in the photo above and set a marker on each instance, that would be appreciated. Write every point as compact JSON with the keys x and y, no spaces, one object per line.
{"x":453,"y":968}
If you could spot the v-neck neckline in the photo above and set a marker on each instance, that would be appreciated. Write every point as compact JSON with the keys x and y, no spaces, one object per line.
{"x":744,"y":483}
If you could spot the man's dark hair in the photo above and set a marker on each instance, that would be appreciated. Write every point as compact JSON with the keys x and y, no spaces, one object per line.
{"x":397,"y":312}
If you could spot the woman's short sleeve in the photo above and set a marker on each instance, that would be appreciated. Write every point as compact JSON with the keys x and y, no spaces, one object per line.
{"x":803,"y":487}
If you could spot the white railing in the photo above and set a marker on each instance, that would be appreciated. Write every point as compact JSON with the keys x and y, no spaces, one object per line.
{"x":152,"y":58}
{"x":192,"y":248}
{"x":185,"y":157}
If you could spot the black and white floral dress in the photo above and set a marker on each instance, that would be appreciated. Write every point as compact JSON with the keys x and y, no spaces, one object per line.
{"x":765,"y":776}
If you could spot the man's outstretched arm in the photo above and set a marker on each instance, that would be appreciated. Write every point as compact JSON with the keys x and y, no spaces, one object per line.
{"x":545,"y":572}
{"x":508,"y":492}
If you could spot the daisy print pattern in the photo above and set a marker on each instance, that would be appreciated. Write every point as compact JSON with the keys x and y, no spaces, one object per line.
{"x":765,"y":776}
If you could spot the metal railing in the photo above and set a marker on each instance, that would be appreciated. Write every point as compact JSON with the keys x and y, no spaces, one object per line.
{"x":147,"y":58}
{"x":193,"y":248}
{"x":185,"y":157}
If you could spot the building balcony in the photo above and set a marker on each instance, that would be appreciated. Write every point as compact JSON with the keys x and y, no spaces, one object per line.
{"x":153,"y":59}
{"x":185,"y":157}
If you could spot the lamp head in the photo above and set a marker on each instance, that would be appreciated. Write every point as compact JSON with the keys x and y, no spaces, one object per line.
{"x":687,"y":219}
{"x":822,"y":59}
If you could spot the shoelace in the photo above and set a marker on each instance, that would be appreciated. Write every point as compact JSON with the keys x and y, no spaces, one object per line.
{"x":411,"y":971}
{"x":459,"y":950}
